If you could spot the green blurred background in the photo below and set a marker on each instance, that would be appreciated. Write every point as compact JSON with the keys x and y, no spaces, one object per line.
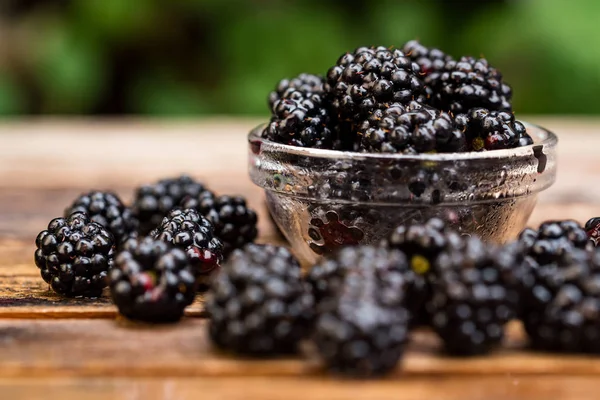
{"x":198,"y":57}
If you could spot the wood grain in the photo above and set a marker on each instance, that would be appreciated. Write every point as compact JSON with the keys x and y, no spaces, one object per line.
{"x":451,"y":387}
{"x":85,"y":347}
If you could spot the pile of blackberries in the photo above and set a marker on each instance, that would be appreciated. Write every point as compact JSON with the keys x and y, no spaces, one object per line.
{"x":155,"y":255}
{"x":410,"y":101}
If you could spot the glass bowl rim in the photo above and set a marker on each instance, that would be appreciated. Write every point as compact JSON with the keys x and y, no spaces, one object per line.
{"x":547,"y":139}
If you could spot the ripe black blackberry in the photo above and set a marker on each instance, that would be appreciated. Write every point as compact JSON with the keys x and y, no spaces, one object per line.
{"x":258,"y":303}
{"x":307,"y":84}
{"x":74,"y":255}
{"x":300,"y":121}
{"x":492,"y":130}
{"x":468,"y":83}
{"x":194,"y":234}
{"x":561,"y":303}
{"x":327,"y":276}
{"x":234,"y":223}
{"x":553,"y":239}
{"x":369,"y":77}
{"x":107,"y":209}
{"x":422,"y":244}
{"x":411,"y":129}
{"x":362,"y":327}
{"x":432,"y":62}
{"x":152,"y":281}
{"x":153,"y":201}
{"x":474,"y":294}
{"x":592,"y":228}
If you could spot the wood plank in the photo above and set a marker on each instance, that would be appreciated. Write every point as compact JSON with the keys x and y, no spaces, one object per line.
{"x":262,"y":388}
{"x":66,"y":348}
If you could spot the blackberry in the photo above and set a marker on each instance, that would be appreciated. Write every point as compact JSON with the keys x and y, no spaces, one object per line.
{"x":74,"y":255}
{"x":468,"y":83}
{"x":108,"y":210}
{"x":369,"y":77}
{"x":194,"y":234}
{"x":561,"y":303}
{"x":553,"y":239}
{"x":432,"y":62}
{"x":492,"y":130}
{"x":300,"y":121}
{"x":327,"y":276}
{"x":413,"y":129}
{"x":474,"y":294}
{"x":307,"y":84}
{"x":592,"y":228}
{"x":362,"y":327}
{"x":234,"y":223}
{"x":422,"y":244}
{"x":153,"y":201}
{"x":258,"y":303}
{"x":152,"y":281}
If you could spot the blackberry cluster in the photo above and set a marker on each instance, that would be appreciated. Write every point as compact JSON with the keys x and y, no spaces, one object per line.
{"x":561,"y":303}
{"x":194,"y":234}
{"x":362,"y":327}
{"x":474,"y":294}
{"x":422,"y":244}
{"x":306,"y":84}
{"x":432,"y":62}
{"x":258,"y":303}
{"x":370,"y":77}
{"x":413,"y":129}
{"x":74,"y":255}
{"x":153,"y":201}
{"x":468,"y":83}
{"x":234,"y":223}
{"x":300,"y":120}
{"x":108,"y":210}
{"x":553,"y":239}
{"x":592,"y":228}
{"x":327,"y":276}
{"x":492,"y":130}
{"x":152,"y":281}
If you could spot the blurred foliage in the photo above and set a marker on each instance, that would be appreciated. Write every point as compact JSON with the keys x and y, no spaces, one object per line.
{"x":191,"y":57}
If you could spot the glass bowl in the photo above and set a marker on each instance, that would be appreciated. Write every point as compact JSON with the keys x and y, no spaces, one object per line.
{"x":324,"y":199}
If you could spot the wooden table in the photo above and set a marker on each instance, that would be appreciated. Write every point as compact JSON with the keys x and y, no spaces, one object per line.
{"x":55,"y":348}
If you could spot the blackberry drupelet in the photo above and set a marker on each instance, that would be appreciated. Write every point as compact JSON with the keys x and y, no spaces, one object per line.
{"x":492,"y":130}
{"x":468,"y":83}
{"x":411,"y":129}
{"x":369,"y":77}
{"x":561,"y":303}
{"x":74,"y":255}
{"x":307,"y":84}
{"x":194,"y":234}
{"x":233,"y":221}
{"x":300,"y":121}
{"x":361,"y":328}
{"x":108,"y":210}
{"x":153,"y":201}
{"x":259,"y":304}
{"x":327,"y":276}
{"x":152,"y":281}
{"x":474,"y":294}
{"x":553,"y":239}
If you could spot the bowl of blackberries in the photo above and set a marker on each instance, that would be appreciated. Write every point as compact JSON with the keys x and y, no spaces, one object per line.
{"x":393,"y":136}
